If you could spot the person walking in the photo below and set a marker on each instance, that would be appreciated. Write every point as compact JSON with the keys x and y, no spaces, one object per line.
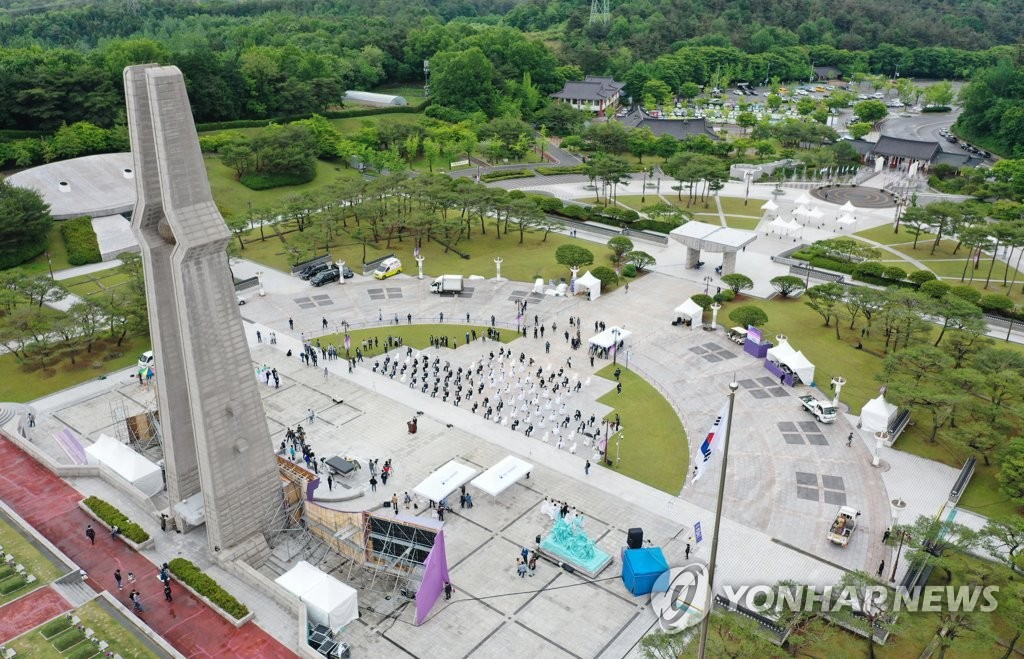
{"x":259,"y":337}
{"x":311,"y":415}
{"x":533,"y":564}
{"x":525,"y":553}
{"x":117,"y":578}
{"x":90,"y":533}
{"x":394,"y":502}
{"x":291,"y":324}
{"x":167,"y":591}
{"x":408,"y":500}
{"x":885,"y":536}
{"x":330,"y":483}
{"x":136,"y":599}
{"x":849,"y":440}
{"x":881,"y":568}
{"x":586,"y":468}
{"x":521,"y":568}
{"x":618,"y":388}
{"x":447,"y":589}
{"x":687,"y":551}
{"x":31,"y":420}
{"x":373,"y":483}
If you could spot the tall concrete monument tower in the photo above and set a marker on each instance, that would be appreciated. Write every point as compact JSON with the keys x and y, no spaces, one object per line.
{"x":214,"y":428}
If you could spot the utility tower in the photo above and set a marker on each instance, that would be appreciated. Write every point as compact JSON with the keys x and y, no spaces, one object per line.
{"x":599,"y":12}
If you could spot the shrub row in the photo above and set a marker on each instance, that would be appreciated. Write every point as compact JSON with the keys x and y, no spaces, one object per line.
{"x":11,"y":584}
{"x":114,"y":517}
{"x":654,"y":225}
{"x":339,"y":114}
{"x":264,"y":181}
{"x":82,"y":650}
{"x":207,"y":587}
{"x":936,"y":108}
{"x":80,"y":239}
{"x":54,"y":627}
{"x":69,"y":638}
{"x":502,"y":174}
{"x":564,"y":169}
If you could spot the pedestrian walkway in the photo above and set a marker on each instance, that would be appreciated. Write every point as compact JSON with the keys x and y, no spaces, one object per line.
{"x":51,"y":506}
{"x":71,"y":273}
{"x":29,"y":612}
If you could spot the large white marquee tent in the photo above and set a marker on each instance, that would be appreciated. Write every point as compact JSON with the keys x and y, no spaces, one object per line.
{"x":444,"y":480}
{"x":127,"y":464}
{"x":502,"y":476}
{"x":328,"y":601}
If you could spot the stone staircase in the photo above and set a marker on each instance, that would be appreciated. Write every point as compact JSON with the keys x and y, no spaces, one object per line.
{"x":73,"y":589}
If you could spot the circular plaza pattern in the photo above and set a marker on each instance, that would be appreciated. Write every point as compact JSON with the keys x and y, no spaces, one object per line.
{"x":859,"y":196}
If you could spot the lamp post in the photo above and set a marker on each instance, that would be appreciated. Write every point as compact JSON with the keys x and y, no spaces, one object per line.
{"x":714,"y":314}
{"x":643,"y":189}
{"x":497,"y":264}
{"x":618,"y":440}
{"x":49,"y":264}
{"x":259,"y":280}
{"x":701,"y":649}
{"x":747,"y":175}
{"x":615,"y":346}
{"x":837,"y":384}
{"x":419,"y":263}
{"x":897,"y":507}
{"x":880,"y":438}
{"x":707,"y":284}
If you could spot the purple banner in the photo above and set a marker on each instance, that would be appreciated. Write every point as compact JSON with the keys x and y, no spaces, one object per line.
{"x":435,"y":573}
{"x":754,"y":334}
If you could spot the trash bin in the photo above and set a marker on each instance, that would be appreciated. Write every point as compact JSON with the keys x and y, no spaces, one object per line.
{"x":412,"y":426}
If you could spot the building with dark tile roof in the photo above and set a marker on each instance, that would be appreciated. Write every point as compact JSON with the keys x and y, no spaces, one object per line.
{"x":680,"y":129}
{"x":592,"y":94}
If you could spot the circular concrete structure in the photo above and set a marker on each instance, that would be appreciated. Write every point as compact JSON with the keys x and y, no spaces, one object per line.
{"x":859,"y":196}
{"x":93,"y":186}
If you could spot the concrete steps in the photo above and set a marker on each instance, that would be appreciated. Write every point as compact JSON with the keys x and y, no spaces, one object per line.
{"x":74,"y":590}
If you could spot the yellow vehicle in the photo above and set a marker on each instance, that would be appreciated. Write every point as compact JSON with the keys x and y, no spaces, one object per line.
{"x":388,"y":268}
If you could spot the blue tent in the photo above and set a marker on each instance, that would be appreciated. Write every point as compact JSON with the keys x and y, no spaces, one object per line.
{"x":641,"y":568}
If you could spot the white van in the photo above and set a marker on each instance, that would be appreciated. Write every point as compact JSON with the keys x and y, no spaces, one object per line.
{"x":387,"y":268}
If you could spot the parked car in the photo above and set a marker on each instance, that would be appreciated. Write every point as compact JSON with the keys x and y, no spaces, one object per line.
{"x":309,"y":271}
{"x":326,"y":276}
{"x":346,"y":272}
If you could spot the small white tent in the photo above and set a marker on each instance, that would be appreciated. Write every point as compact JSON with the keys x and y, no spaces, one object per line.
{"x":770,"y":206}
{"x":588,"y":283}
{"x":502,"y":476}
{"x":444,"y":480}
{"x":877,"y":414}
{"x":794,"y":359}
{"x":127,"y":464}
{"x":610,"y":337}
{"x":802,"y":200}
{"x":691,"y":311}
{"x":328,"y":601}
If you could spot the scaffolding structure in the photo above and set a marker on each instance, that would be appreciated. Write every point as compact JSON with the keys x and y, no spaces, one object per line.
{"x":394,"y":554}
{"x":140,"y":431}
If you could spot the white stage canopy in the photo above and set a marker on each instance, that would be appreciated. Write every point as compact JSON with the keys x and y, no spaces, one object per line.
{"x":444,"y":481}
{"x":328,"y":601}
{"x":691,"y":310}
{"x":794,"y":359}
{"x":607,"y":338}
{"x":877,"y":414}
{"x":501,"y":476}
{"x":127,"y":464}
{"x":590,"y":283}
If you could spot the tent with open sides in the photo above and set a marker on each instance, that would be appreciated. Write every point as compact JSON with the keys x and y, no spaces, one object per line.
{"x":691,"y":311}
{"x":770,"y":208}
{"x":588,"y":283}
{"x":128,"y":465}
{"x":848,"y":209}
{"x":877,"y":414}
{"x":328,"y":601}
{"x":445,"y":480}
{"x":503,"y":475}
{"x":610,"y":337}
{"x":784,"y":354}
{"x":802,"y":200}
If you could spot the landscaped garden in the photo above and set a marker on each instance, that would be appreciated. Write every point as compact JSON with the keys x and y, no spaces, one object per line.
{"x":93,"y":630}
{"x":36,"y":569}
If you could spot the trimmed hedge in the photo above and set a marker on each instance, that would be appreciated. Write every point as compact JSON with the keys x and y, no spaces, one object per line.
{"x":114,"y":517}
{"x":191,"y":575}
{"x":563,"y":169}
{"x":285,"y":119}
{"x":80,"y":239}
{"x":54,"y":627}
{"x":7,"y":570}
{"x":937,"y":108}
{"x":11,"y":584}
{"x":653,"y":225}
{"x":262,"y":181}
{"x":83,"y":650}
{"x":69,"y":638}
{"x":502,"y":174}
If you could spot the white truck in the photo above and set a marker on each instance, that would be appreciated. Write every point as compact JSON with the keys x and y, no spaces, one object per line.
{"x":447,"y":284}
{"x":822,"y":411}
{"x":842,"y":528}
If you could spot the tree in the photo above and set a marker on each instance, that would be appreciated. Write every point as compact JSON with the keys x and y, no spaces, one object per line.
{"x":787,"y":285}
{"x":619,"y":246}
{"x":747,"y":314}
{"x":640,"y":260}
{"x":689,"y":90}
{"x":956,"y":313}
{"x":703,"y":301}
{"x":737,"y":282}
{"x":1011,"y":470}
{"x":606,"y":275}
{"x":870,"y":111}
{"x":642,"y":142}
{"x":746,"y":120}
{"x":825,"y":299}
{"x":573,"y":256}
{"x":25,"y":222}
{"x":859,"y":129}
{"x":464,"y":80}
{"x":940,"y":93}
{"x":1003,"y":537}
{"x":861,"y":604}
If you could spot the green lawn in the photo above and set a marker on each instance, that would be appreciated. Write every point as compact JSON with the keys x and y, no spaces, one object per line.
{"x":535,"y":257}
{"x":654,"y":449}
{"x":94,"y":615}
{"x":97,"y":282}
{"x":58,"y":254}
{"x":412,"y":93}
{"x":415,"y":336}
{"x":748,"y":223}
{"x":20,"y":384}
{"x":734,"y":206}
{"x":25,"y":553}
{"x":884,"y":234}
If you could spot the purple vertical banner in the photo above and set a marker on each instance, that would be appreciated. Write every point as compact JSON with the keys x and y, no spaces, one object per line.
{"x":311,"y":488}
{"x":435,"y":573}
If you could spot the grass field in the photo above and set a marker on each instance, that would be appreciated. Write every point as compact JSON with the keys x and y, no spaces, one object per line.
{"x":414,"y":336}
{"x":20,"y":384}
{"x":656,"y":451}
{"x":535,"y":257}
{"x":55,"y":248}
{"x":94,"y":283}
{"x":24,"y":553}
{"x":736,"y":222}
{"x":96,"y":616}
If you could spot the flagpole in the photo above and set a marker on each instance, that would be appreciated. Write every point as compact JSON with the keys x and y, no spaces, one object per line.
{"x":733,"y":386}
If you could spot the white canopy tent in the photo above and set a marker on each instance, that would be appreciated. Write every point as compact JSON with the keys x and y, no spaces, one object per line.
{"x":846,"y":220}
{"x":691,"y":311}
{"x":139,"y":472}
{"x":877,"y":414}
{"x":815,"y":213}
{"x":794,"y":360}
{"x":444,"y":481}
{"x":794,"y":226}
{"x":848,"y":208}
{"x":770,"y":208}
{"x":503,"y":475}
{"x":609,"y":337}
{"x":802,"y":212}
{"x":328,"y":601}
{"x":588,"y":283}
{"x":803,"y":199}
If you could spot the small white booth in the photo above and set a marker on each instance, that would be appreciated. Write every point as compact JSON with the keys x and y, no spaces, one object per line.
{"x":691,"y":312}
{"x":786,"y":356}
{"x":502,"y":476}
{"x":328,"y":601}
{"x":877,"y":415}
{"x":610,"y":337}
{"x":125,"y":463}
{"x":444,"y":481}
{"x":589,"y":284}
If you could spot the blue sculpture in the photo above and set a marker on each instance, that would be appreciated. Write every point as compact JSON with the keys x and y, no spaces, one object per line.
{"x":570,"y":542}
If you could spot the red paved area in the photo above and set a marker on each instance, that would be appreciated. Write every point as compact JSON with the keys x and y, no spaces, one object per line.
{"x":51,"y":506}
{"x":30,"y":611}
